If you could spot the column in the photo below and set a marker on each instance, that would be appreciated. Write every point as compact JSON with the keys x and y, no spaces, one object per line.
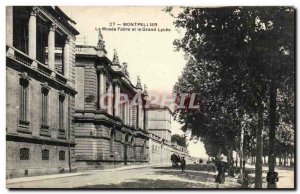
{"x":66,"y":61}
{"x":124,"y":112}
{"x":129,"y":114}
{"x":100,"y":88}
{"x":142,"y":118}
{"x":119,"y":91}
{"x":51,"y":47}
{"x":32,"y":33}
{"x":9,"y":25}
{"x":137,"y":116}
{"x":110,"y":104}
{"x":117,"y":99}
{"x":104,"y":85}
{"x":146,"y":120}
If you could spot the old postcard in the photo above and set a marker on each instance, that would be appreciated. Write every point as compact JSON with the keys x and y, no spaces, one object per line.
{"x":150,"y":97}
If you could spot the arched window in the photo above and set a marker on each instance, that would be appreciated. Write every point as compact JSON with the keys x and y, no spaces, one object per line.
{"x":45,"y":154}
{"x":24,"y":154}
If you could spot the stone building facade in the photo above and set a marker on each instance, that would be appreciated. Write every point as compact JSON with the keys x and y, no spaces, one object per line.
{"x":50,"y":131}
{"x":40,"y":93}
{"x":160,"y":145}
{"x":109,"y":134}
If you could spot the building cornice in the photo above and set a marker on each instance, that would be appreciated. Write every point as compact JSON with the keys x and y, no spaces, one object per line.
{"x":45,"y":13}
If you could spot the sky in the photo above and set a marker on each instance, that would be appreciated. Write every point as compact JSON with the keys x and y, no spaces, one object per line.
{"x":149,"y":54}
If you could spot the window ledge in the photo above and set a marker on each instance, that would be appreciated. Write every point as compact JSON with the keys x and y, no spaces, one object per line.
{"x":61,"y":134}
{"x":24,"y":126}
{"x":45,"y":131}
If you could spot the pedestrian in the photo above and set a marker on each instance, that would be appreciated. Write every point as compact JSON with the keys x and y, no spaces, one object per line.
{"x":183,"y":163}
{"x":220,"y":178}
{"x":220,"y":164}
{"x":201,"y":160}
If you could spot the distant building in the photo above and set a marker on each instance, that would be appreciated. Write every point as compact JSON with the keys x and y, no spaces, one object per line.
{"x":159,"y":121}
{"x":161,"y":147}
{"x":40,"y":92}
{"x":112,"y":135}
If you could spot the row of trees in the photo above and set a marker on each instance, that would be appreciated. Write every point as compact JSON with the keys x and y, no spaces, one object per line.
{"x":179,"y":139}
{"x":241,"y":65}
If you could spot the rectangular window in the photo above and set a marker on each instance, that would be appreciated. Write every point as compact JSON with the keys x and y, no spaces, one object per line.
{"x":20,"y":29}
{"x":45,"y":154}
{"x":45,"y":108}
{"x":24,"y":154}
{"x":61,"y":155}
{"x":61,"y":112}
{"x":112,"y":140}
{"x":23,"y":100}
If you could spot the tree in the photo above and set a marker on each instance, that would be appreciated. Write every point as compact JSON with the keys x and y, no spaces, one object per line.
{"x":180,"y":140}
{"x":238,"y":57}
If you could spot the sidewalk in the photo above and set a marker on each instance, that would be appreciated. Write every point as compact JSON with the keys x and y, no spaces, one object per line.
{"x":87,"y":172}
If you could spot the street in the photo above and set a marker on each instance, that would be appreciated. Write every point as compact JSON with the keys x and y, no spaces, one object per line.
{"x":144,"y":177}
{"x":138,"y":177}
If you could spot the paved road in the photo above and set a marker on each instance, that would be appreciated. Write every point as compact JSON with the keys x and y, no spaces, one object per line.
{"x":140,"y":177}
{"x":146,"y":177}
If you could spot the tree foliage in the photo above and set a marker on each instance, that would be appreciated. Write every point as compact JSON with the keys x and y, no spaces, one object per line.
{"x":241,"y":62}
{"x":180,"y":140}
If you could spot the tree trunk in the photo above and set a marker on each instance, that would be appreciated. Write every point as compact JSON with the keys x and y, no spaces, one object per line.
{"x":230,"y":162}
{"x":272,"y":123}
{"x":259,"y":147}
{"x":291,"y":160}
{"x":242,"y":144}
{"x":284,"y":160}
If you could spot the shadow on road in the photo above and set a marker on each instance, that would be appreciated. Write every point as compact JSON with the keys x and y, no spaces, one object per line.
{"x":167,"y":178}
{"x":148,"y":184}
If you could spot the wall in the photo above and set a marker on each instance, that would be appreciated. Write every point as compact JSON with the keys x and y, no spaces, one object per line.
{"x":33,"y":140}
{"x":159,"y":119}
{"x":35,"y":165}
